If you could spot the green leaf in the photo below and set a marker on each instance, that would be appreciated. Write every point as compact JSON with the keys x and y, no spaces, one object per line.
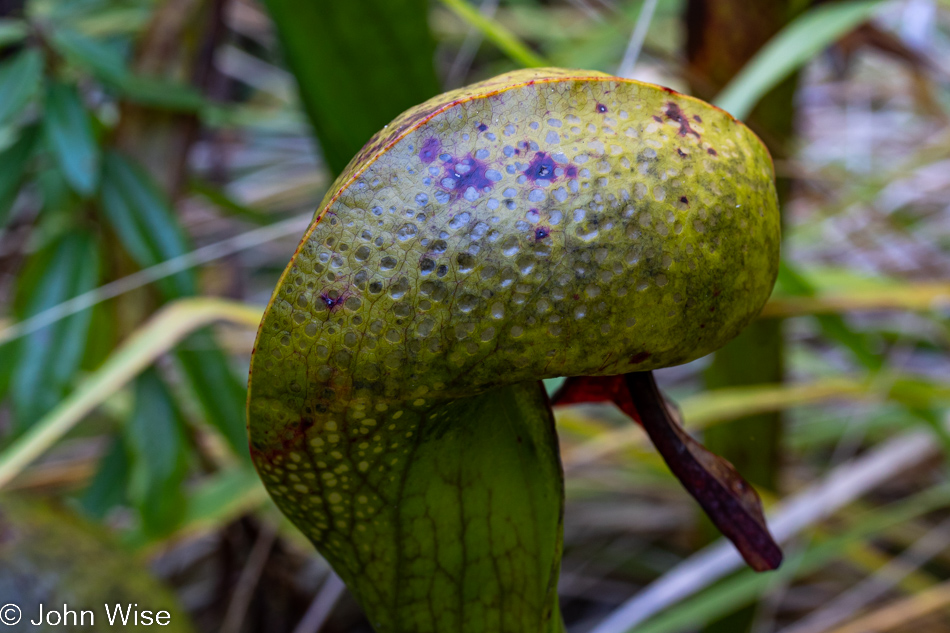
{"x":356,"y":74}
{"x":19,"y":81}
{"x":49,"y":358}
{"x":221,"y":396}
{"x":69,"y":135}
{"x":156,"y":442}
{"x":212,"y":504}
{"x":13,"y":164}
{"x":144,"y":221}
{"x":106,"y":61}
{"x":795,"y":45}
{"x":12,"y":31}
{"x":164,"y":95}
{"x":107,"y":488}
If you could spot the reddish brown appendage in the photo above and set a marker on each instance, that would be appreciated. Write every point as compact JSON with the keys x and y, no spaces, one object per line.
{"x":728,"y":500}
{"x":583,"y":389}
{"x":712,"y":152}
{"x":731,"y":504}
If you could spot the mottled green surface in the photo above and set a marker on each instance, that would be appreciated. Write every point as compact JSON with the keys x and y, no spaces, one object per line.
{"x":543,"y":223}
{"x":49,"y":556}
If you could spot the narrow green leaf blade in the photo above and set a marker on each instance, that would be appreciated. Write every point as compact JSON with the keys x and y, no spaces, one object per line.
{"x":221,"y":396}
{"x":106,"y":63}
{"x":13,"y":164}
{"x":49,"y":358}
{"x":144,"y":221}
{"x":156,"y":440}
{"x":797,"y":43}
{"x":19,"y":80}
{"x":68,"y":130}
{"x":12,"y":31}
{"x":103,"y":60}
{"x":355,"y":74}
{"x":107,"y":488}
{"x":497,"y":34}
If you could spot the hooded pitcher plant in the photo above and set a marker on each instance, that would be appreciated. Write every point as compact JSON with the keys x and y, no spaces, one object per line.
{"x":539,"y":224}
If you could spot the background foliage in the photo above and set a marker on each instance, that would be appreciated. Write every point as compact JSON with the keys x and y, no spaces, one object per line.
{"x":160,"y":158}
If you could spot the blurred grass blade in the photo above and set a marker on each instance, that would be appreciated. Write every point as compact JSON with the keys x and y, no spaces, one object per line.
{"x":504,"y":39}
{"x":358,"y":64}
{"x":156,"y":442}
{"x":68,"y":130}
{"x":144,"y":221}
{"x":744,"y":587}
{"x":900,"y":614}
{"x":19,"y":80}
{"x":156,"y":337}
{"x":795,"y":45}
{"x":916,"y":297}
{"x":13,"y":163}
{"x":49,"y":358}
{"x":833,"y":325}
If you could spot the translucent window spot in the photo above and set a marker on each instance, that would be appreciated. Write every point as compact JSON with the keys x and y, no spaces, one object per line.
{"x":536,"y":195}
{"x":422,"y":199}
{"x":406,"y":232}
{"x":493,"y":175}
{"x":460,"y":220}
{"x":552,"y":138}
{"x":659,"y":193}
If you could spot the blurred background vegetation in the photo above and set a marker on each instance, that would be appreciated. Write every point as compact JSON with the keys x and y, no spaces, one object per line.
{"x":159,"y":160}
